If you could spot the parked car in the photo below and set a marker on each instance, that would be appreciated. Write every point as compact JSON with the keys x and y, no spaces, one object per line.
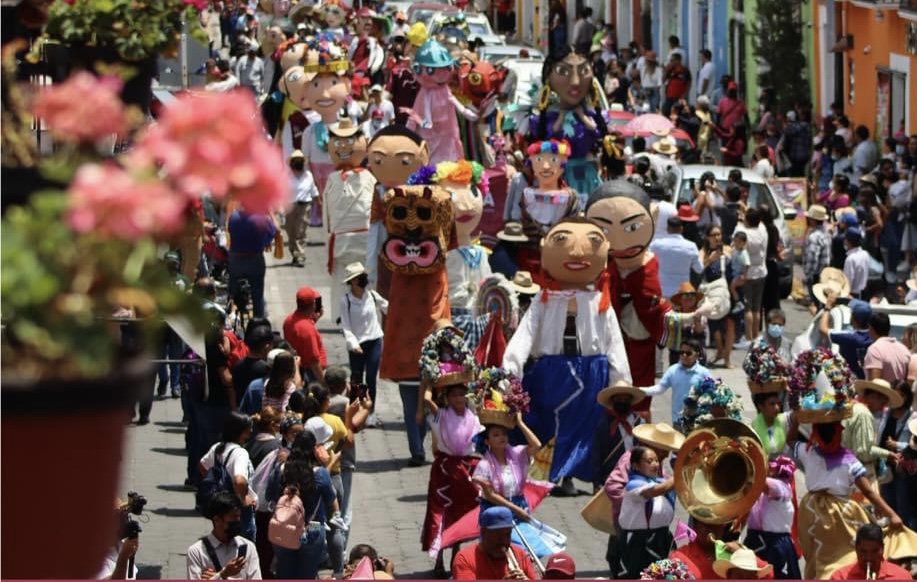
{"x":478,"y":28}
{"x":496,"y":53}
{"x":679,"y":184}
{"x":425,"y":11}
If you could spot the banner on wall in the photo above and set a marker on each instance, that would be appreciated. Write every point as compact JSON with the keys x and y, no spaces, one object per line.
{"x":793,"y":193}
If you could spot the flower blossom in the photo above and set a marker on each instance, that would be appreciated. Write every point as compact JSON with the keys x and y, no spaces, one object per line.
{"x":216,"y":144}
{"x":199,"y":4}
{"x":83,"y":109}
{"x":106,"y":199}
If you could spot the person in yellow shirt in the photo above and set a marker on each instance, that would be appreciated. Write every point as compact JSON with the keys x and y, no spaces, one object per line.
{"x":702,"y":111}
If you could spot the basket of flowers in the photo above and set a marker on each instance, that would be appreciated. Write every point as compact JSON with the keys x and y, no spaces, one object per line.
{"x":666,"y":570}
{"x":709,"y":399}
{"x":821,"y":387}
{"x":445,"y":360}
{"x":766,"y":371}
{"x":498,"y":397}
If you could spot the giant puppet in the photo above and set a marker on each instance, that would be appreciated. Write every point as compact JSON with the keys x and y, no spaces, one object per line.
{"x":567,"y":109}
{"x":348,"y":197}
{"x":365,"y":52}
{"x":647,"y":318}
{"x":326,"y":90}
{"x":573,"y":336}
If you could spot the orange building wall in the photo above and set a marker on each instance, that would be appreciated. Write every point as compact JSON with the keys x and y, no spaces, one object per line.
{"x":883,"y":38}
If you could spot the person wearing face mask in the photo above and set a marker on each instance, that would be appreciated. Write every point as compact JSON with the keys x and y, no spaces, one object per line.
{"x":224,"y":553}
{"x":773,"y":335}
{"x":230,"y":453}
{"x":615,"y":433}
{"x":361,"y":321}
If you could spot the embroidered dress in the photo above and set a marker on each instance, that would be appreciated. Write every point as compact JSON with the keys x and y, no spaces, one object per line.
{"x":440,"y":126}
{"x":543,"y":209}
{"x":572,"y":363}
{"x":451,"y":493}
{"x":644,"y":536}
{"x":581,"y":172}
{"x":468,"y":268}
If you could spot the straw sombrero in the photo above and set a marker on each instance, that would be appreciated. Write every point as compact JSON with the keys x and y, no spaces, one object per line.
{"x":895,"y":400}
{"x":620,"y":387}
{"x":660,"y":435}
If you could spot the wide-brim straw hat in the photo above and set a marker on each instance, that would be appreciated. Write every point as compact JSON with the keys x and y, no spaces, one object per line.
{"x":522,"y":282}
{"x":344,"y":128}
{"x":832,"y":274}
{"x":512,"y":232}
{"x":895,"y":400}
{"x":660,"y":435}
{"x":817,"y":212}
{"x":620,"y":387}
{"x":821,"y":291}
{"x":666,"y":147}
{"x":743,"y":559}
{"x":684,"y":290}
{"x":353,"y":270}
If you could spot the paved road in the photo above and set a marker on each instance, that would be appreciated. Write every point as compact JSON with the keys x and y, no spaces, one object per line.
{"x":389,"y":497}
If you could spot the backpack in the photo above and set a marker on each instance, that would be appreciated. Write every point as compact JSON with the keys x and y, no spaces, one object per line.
{"x":217,"y":480}
{"x":193,"y":375}
{"x":238,"y":349}
{"x":288,"y":521}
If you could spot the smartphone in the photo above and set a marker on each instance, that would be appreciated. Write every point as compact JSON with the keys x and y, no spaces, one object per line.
{"x":691,"y":183}
{"x":318,"y":304}
{"x":242,"y":551}
{"x":358,"y":391}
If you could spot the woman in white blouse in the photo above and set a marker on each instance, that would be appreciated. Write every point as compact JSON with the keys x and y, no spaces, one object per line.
{"x":362,"y":325}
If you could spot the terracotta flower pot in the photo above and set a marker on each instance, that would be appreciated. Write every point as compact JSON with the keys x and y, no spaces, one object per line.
{"x":61,"y":458}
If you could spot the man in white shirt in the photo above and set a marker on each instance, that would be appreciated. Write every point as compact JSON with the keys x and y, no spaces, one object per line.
{"x":677,"y":257}
{"x":223,"y":553}
{"x":706,"y":74}
{"x":856,"y":265}
{"x":378,"y":102}
{"x":675,"y":48}
{"x":250,"y":69}
{"x":297,"y":218}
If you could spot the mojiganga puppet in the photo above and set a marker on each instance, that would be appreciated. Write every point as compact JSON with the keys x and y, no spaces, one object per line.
{"x":348,"y":198}
{"x":573,"y":335}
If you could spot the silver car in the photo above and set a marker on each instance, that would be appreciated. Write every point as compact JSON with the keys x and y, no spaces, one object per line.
{"x":679,"y":186}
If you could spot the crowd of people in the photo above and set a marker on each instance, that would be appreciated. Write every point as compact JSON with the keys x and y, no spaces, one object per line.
{"x":535,"y":362}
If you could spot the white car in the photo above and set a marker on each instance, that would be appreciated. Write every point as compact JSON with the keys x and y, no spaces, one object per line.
{"x":394,"y":6}
{"x":495,"y":53}
{"x":478,"y":28}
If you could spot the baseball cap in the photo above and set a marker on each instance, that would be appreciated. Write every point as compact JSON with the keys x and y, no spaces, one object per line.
{"x":320,"y":430}
{"x":850,"y":219}
{"x":497,"y":518}
{"x":375,"y":88}
{"x":860,"y":311}
{"x":853,"y":235}
{"x":560,"y":563}
{"x":306,"y":295}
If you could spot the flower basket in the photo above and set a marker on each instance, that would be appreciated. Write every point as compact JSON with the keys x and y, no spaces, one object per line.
{"x":774,"y":385}
{"x":502,"y":418}
{"x":806,"y":416}
{"x":46,"y":415}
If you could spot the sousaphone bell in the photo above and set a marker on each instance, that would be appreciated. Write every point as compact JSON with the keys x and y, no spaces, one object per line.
{"x":720,"y":471}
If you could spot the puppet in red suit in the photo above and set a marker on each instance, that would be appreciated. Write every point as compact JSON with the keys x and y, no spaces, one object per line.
{"x":365,"y":52}
{"x":420,"y":223}
{"x":645,"y":316}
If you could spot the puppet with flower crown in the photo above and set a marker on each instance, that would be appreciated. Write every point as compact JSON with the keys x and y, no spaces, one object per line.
{"x":567,"y":109}
{"x":551,"y":199}
{"x":335,"y":14}
{"x":572,"y":334}
{"x":433,"y":113}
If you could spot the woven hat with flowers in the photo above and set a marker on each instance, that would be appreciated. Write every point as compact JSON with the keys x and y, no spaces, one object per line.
{"x":324,"y":57}
{"x":821,"y":387}
{"x":766,"y":370}
{"x":666,"y":570}
{"x":498,"y":397}
{"x":445,"y":360}
{"x":708,"y":399}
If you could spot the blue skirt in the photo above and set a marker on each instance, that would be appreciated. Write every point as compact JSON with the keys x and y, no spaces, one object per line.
{"x":778,"y":550}
{"x":563,"y":390}
{"x":582,"y":175}
{"x":532,"y":535}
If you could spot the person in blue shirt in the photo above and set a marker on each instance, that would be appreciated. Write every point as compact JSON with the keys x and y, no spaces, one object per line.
{"x":681,"y":376}
{"x":249,"y":235}
{"x":852,"y":345}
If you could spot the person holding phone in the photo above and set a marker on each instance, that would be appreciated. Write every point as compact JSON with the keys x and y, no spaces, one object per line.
{"x":223,"y":553}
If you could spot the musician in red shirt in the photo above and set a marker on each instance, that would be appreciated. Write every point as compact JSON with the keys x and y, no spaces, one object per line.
{"x":700,"y":554}
{"x":870,"y":565}
{"x":489,"y":558}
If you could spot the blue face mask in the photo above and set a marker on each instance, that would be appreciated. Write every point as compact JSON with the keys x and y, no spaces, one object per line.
{"x":775,"y":331}
{"x":899,"y":150}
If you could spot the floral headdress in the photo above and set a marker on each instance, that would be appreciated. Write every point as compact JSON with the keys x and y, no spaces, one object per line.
{"x":498,"y":390}
{"x":666,"y":570}
{"x":704,"y":399}
{"x":821,"y":381}
{"x":460,"y":172}
{"x":445,"y":360}
{"x":323,"y":56}
{"x":552,"y":146}
{"x":763,"y":365}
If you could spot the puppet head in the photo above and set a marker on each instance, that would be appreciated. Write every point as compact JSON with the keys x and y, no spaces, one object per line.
{"x":547,"y":160}
{"x":292,"y":55}
{"x":276,"y":8}
{"x":293,"y":85}
{"x":480,"y":82}
{"x":574,"y":252}
{"x":347,"y":144}
{"x":327,"y":79}
{"x":464,"y":181}
{"x":433,"y":65}
{"x":335,"y":13}
{"x":569,"y":75}
{"x":420,"y":227}
{"x":364,"y":22}
{"x":416,"y":36}
{"x":395,"y":153}
{"x":272,"y":36}
{"x":623,"y":211}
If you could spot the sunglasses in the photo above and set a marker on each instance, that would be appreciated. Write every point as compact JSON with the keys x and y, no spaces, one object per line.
{"x":686,"y":352}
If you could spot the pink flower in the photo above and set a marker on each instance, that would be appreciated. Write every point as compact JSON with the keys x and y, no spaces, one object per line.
{"x":216,"y":144}
{"x":106,"y":199}
{"x":83,"y":109}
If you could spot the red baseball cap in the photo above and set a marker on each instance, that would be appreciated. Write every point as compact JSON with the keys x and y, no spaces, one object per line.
{"x":686,"y":213}
{"x":307,"y":295}
{"x":560,"y":563}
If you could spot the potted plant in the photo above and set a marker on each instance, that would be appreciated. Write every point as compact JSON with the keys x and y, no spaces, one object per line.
{"x":80,"y":261}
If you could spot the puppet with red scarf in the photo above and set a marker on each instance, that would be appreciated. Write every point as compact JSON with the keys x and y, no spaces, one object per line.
{"x":365,"y":52}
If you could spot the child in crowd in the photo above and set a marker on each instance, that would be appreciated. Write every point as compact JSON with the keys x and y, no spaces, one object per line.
{"x":738,"y":263}
{"x":771,"y":520}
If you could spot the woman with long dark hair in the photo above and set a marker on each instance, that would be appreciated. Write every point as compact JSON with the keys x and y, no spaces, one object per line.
{"x":281,"y":382}
{"x":716,"y":258}
{"x":774,"y":256}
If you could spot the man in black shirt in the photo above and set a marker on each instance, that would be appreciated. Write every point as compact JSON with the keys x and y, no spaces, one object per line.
{"x":254,"y":365}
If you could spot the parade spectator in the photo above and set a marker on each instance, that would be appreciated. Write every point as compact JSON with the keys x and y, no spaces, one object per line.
{"x":680,"y":377}
{"x":254,"y":365}
{"x":297,"y":218}
{"x":223,"y":553}
{"x":230,"y":453}
{"x":753,"y":288}
{"x":677,"y":256}
{"x":249,"y":235}
{"x":282,"y":380}
{"x":817,"y":249}
{"x":705,"y":76}
{"x":299,"y":329}
{"x":651,"y":81}
{"x":715,"y":257}
{"x":797,"y":143}
{"x":856,"y":264}
{"x":886,"y":358}
{"x":776,"y":252}
{"x":583,"y":31}
{"x":677,"y":81}
{"x":250,"y":69}
{"x":266,"y":439}
{"x":730,"y":109}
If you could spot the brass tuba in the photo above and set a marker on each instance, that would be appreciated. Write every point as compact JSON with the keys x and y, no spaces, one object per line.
{"x":720,"y":471}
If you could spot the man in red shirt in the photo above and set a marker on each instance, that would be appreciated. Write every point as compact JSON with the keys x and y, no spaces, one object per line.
{"x":700,"y":554}
{"x":487,"y":560}
{"x":300,"y":331}
{"x":678,"y":80}
{"x":870,"y":565}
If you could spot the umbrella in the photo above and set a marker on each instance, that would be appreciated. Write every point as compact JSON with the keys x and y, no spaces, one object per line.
{"x":466,"y":528}
{"x":648,"y":123}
